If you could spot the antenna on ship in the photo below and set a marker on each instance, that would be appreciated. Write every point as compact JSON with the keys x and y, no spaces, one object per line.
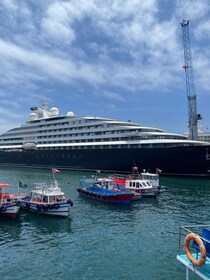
{"x":44,"y":104}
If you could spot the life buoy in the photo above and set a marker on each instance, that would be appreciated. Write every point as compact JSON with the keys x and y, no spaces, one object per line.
{"x":202,"y":248}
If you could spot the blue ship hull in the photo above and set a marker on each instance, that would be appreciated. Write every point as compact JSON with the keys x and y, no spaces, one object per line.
{"x":107,"y":196}
{"x":193,"y":161}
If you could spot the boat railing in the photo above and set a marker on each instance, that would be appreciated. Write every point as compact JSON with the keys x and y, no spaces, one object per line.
{"x":39,"y":185}
{"x":196,"y":229}
{"x":194,"y":250}
{"x":45,"y":186}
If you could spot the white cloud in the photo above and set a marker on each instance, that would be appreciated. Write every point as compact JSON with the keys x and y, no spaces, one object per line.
{"x":202,"y":30}
{"x":192,"y":9}
{"x":113,"y":96}
{"x":56,"y":22}
{"x":111,"y":47}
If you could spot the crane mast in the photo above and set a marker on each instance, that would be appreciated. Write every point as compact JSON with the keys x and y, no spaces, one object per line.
{"x":190,"y":85}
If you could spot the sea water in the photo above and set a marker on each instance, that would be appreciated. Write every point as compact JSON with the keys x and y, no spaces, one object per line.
{"x":100,"y":241}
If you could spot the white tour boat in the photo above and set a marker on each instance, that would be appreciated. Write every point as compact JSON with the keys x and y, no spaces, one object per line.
{"x":49,"y":200}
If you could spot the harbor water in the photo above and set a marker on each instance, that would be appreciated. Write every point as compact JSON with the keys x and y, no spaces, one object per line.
{"x":100,"y":241}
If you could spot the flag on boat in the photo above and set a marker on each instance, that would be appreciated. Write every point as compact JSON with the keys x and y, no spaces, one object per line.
{"x":158,"y":171}
{"x":22,"y":185}
{"x":55,"y":171}
{"x":135,"y":168}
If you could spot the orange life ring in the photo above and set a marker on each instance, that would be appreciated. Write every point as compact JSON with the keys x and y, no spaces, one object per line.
{"x":202,"y":248}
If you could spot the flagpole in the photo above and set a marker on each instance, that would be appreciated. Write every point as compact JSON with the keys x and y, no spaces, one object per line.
{"x":53,"y":175}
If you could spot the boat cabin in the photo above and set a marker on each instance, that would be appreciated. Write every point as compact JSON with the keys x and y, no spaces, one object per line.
{"x":138,"y":184}
{"x":106,"y":183}
{"x":44,"y":194}
{"x":152,"y":177}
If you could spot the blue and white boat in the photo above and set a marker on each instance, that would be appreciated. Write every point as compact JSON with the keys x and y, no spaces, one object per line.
{"x":49,"y":200}
{"x":104,"y":190}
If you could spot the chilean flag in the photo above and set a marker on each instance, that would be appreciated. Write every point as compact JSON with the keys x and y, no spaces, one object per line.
{"x":135,"y":168}
{"x":55,"y":171}
{"x":158,"y":171}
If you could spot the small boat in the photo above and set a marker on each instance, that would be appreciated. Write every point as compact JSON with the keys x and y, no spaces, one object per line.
{"x":145,"y":183}
{"x":9,"y":204}
{"x":154,"y":178}
{"x":104,"y":190}
{"x":48,"y":199}
{"x":142,"y":187}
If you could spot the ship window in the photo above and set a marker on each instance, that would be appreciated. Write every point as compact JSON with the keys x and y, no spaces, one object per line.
{"x":137,"y":184}
{"x":130,"y":184}
{"x":134,"y":184}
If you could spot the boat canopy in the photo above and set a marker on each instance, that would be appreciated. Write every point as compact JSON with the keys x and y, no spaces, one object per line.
{"x":4,"y":185}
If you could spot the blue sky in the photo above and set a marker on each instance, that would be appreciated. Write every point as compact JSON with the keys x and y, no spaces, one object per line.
{"x":115,"y":58}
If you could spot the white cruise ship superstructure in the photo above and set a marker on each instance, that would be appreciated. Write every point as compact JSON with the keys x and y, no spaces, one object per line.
{"x":89,"y":143}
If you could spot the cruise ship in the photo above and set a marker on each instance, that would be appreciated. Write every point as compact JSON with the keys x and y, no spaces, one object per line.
{"x":93,"y":143}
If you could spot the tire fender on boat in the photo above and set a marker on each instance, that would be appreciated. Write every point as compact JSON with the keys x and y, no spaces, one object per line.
{"x":18,"y":203}
{"x":56,"y":206}
{"x":45,"y":207}
{"x":70,"y":202}
{"x":3,"y":209}
{"x":202,"y":248}
{"x":38,"y":206}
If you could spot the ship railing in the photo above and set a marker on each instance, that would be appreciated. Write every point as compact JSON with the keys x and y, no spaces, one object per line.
{"x":195,"y":258}
{"x":198,"y":230}
{"x":87,"y":182}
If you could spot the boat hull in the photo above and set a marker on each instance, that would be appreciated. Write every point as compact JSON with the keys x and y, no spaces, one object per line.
{"x":145,"y":193}
{"x":9,"y":211}
{"x":184,"y":161}
{"x":58,"y":209}
{"x":124,"y":198}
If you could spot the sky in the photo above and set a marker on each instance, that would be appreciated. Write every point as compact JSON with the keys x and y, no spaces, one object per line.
{"x":120,"y":59}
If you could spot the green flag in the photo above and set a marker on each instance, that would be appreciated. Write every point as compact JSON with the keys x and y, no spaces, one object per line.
{"x":22,"y":185}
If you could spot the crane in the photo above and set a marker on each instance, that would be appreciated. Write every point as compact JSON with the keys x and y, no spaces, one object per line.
{"x":190,"y":84}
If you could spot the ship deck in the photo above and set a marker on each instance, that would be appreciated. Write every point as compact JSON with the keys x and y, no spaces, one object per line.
{"x":203,"y":271}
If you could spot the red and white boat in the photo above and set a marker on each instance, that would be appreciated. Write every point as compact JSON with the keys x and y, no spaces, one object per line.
{"x":9,"y":203}
{"x":142,"y":184}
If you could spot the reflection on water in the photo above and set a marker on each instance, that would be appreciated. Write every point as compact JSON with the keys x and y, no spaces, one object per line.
{"x":44,"y":224}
